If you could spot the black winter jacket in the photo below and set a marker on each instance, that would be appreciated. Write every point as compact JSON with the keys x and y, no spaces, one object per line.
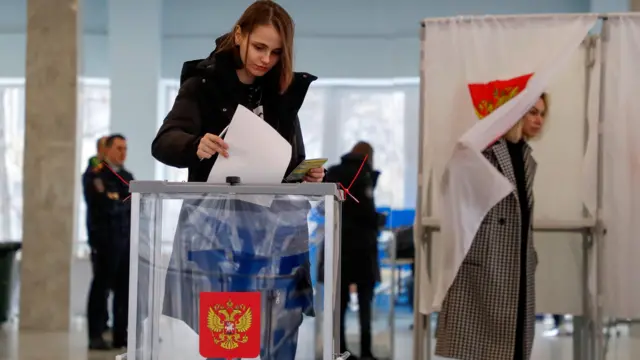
{"x":207,"y":100}
{"x":109,"y":215}
{"x":360,"y":221}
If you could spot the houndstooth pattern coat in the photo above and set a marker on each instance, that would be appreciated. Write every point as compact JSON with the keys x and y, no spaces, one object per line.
{"x":478,"y":316}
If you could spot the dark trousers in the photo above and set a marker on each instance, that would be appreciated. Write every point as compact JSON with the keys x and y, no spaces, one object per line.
{"x":110,"y":273}
{"x":365,"y":299}
{"x":95,"y":300}
{"x":522,"y":309}
{"x":557,"y":320}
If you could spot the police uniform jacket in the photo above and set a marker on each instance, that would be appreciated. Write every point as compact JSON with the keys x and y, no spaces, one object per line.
{"x":93,"y":162}
{"x":110,"y":215}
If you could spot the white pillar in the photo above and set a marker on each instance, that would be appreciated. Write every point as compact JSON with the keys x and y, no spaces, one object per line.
{"x":135,"y":44}
{"x":49,"y":164}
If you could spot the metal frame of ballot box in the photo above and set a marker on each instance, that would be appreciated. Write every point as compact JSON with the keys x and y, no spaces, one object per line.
{"x":585,"y":327}
{"x":163,"y":190}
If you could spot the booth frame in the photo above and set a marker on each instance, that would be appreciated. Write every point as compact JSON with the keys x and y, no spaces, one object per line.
{"x":588,"y":339}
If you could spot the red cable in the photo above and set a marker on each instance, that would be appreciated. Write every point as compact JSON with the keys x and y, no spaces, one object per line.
{"x":346,"y":190}
{"x":359,"y":170}
{"x":119,"y":177}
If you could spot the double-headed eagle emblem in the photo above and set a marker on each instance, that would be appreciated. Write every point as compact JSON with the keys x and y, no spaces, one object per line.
{"x":228,"y":332}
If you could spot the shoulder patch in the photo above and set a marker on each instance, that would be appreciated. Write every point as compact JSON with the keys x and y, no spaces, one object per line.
{"x":98,"y":168}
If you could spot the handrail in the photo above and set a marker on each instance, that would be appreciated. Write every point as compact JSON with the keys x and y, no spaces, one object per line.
{"x":539,"y":225}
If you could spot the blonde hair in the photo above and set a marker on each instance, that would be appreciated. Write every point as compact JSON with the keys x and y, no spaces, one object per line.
{"x":545,"y":99}
{"x":515,"y":134}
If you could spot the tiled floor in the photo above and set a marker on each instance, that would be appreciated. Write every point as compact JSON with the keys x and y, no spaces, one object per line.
{"x":72,"y":346}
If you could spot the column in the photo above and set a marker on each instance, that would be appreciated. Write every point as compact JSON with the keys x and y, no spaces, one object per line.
{"x":135,"y":35}
{"x":49,"y":164}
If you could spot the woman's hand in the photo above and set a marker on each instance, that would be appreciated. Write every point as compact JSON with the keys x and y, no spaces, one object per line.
{"x":211,"y":144}
{"x":314,"y":175}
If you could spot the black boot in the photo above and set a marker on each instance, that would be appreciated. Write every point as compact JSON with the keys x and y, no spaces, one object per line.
{"x":98,"y":344}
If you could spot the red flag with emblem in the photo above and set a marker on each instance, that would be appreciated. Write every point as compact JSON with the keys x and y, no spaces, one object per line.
{"x":230,"y":324}
{"x":488,"y":97}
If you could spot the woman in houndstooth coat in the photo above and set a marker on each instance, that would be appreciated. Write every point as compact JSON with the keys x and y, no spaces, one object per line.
{"x":489,"y":310}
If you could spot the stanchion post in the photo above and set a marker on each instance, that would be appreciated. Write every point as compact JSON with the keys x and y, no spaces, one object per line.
{"x":600,"y":229}
{"x":420,"y":321}
{"x":584,"y":327}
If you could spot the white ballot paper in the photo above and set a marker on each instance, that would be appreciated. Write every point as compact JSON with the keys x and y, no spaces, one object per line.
{"x":471,"y":186}
{"x":258,"y":154}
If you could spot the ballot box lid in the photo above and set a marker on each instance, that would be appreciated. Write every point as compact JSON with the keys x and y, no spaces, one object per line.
{"x":166,"y":187}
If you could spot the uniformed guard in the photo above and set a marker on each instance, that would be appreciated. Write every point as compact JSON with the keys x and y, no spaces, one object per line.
{"x":106,"y":188}
{"x":91,"y":236}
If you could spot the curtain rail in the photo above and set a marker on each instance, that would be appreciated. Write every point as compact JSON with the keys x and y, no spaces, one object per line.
{"x":468,"y":18}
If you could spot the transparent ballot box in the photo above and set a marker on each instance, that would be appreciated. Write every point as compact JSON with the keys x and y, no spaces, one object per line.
{"x":190,"y":239}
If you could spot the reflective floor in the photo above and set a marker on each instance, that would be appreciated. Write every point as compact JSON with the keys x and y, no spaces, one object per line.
{"x":73,"y":346}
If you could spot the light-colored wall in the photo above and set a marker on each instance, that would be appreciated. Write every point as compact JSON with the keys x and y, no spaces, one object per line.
{"x":355,"y":38}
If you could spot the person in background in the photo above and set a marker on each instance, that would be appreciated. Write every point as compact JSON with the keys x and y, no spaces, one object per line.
{"x":536,"y":118}
{"x":359,"y":250}
{"x":531,"y":130}
{"x":489,"y":310}
{"x":106,"y":188}
{"x":91,"y":235}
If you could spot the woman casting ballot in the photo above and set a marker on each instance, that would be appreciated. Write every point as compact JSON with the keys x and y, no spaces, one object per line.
{"x":251,"y":66}
{"x":231,"y":244}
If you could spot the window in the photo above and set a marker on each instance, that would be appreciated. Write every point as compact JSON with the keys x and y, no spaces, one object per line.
{"x":337,"y":113}
{"x":94,"y":114}
{"x":376,"y":116}
{"x":169,"y":90}
{"x":11,"y":152}
{"x":312,"y":116}
{"x":93,"y":122}
{"x":385,"y":114}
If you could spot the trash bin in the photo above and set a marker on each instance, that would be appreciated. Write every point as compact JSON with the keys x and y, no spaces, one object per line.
{"x":7,"y":259}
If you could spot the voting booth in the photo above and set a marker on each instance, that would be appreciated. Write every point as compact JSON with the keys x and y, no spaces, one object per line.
{"x":232,"y":238}
{"x":585,"y":237}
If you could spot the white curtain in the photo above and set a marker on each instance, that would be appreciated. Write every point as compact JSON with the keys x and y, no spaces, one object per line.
{"x":621,"y":142}
{"x":460,"y":51}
